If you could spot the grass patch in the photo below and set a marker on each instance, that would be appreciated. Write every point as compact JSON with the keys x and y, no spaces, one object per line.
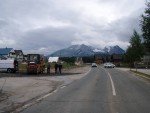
{"x":22,"y":66}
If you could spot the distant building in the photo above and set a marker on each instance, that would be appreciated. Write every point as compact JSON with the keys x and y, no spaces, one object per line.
{"x":19,"y":55}
{"x":116,"y":59}
{"x":6,"y":53}
{"x":25,"y":57}
{"x":99,"y":58}
{"x":2,"y":57}
{"x":79,"y":61}
{"x":146,"y":59}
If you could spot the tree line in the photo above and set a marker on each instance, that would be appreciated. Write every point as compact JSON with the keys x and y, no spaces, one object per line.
{"x":139,"y":45}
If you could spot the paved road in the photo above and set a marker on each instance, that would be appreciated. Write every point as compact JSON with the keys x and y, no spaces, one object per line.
{"x":101,"y":91}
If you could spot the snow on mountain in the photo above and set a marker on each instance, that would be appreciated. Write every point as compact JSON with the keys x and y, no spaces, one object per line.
{"x":84,"y":50}
{"x":75,"y":50}
{"x":98,"y":50}
{"x":114,"y":50}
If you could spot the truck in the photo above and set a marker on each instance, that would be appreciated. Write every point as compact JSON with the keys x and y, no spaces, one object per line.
{"x":9,"y":65}
{"x":35,"y":63}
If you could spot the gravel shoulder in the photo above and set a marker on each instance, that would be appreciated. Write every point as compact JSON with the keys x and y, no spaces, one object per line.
{"x":19,"y":89}
{"x":140,"y":73}
{"x":144,"y":71}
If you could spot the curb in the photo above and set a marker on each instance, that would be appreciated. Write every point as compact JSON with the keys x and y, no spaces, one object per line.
{"x":143,"y":75}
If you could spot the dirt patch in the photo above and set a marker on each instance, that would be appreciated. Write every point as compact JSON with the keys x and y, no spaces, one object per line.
{"x":20,"y":89}
{"x":4,"y":96}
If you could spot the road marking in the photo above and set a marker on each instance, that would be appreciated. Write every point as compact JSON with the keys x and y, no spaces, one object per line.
{"x":45,"y":96}
{"x":55,"y":91}
{"x":62,"y":87}
{"x":112,"y":83}
{"x":32,"y":103}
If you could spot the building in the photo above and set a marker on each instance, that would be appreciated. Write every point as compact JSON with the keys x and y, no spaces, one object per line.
{"x":19,"y":55}
{"x":99,"y":58}
{"x":25,"y":57}
{"x":146,"y":59}
{"x":6,"y":53}
{"x":79,"y":61}
{"x":116,"y":59}
{"x":2,"y":57}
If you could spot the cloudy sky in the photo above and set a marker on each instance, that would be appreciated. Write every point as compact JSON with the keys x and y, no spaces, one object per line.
{"x":48,"y":25}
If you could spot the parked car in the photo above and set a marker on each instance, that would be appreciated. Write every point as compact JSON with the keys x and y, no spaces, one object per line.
{"x":94,"y":65}
{"x":109,"y":65}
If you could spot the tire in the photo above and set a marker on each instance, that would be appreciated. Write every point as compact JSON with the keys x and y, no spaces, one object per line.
{"x":9,"y":70}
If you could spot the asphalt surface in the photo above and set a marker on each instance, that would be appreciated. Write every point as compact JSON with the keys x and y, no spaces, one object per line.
{"x":101,"y":91}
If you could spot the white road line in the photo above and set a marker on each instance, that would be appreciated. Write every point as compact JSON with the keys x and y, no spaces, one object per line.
{"x":32,"y":103}
{"x":62,"y":87}
{"x":45,"y":96}
{"x":112,"y":84}
{"x":55,"y":91}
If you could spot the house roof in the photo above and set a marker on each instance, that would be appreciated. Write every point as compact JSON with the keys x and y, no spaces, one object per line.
{"x":5,"y":51}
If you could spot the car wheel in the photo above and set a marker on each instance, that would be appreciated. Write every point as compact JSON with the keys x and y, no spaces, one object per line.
{"x":9,"y":70}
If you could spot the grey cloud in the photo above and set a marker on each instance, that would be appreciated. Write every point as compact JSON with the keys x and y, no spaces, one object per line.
{"x":3,"y":23}
{"x":47,"y":37}
{"x":121,"y":29}
{"x":19,"y":20}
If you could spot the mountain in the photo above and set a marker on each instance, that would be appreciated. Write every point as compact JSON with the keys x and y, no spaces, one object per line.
{"x":114,"y":50}
{"x":75,"y":50}
{"x":84,"y":50}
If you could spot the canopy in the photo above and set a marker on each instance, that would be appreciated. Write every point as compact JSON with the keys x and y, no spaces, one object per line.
{"x":53,"y":59}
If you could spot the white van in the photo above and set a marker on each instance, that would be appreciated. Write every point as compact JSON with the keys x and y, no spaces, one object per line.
{"x":9,"y":65}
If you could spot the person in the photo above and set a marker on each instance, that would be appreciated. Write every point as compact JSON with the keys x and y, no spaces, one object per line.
{"x":48,"y":68}
{"x":60,"y":67}
{"x":56,"y":66}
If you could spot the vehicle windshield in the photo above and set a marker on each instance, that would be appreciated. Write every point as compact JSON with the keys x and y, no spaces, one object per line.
{"x":33,"y":58}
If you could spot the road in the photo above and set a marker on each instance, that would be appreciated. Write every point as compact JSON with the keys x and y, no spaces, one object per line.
{"x":100,"y":91}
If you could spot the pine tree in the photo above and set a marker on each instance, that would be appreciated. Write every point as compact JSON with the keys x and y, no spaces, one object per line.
{"x":135,"y":51}
{"x":145,"y":23}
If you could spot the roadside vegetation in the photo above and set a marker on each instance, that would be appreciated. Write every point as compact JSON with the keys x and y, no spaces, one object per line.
{"x":139,"y":44}
{"x":68,"y":64}
{"x":22,"y":67}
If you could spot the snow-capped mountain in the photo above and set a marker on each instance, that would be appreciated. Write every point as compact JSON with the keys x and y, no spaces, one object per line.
{"x":84,"y":50}
{"x":114,"y":50}
{"x":75,"y":50}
